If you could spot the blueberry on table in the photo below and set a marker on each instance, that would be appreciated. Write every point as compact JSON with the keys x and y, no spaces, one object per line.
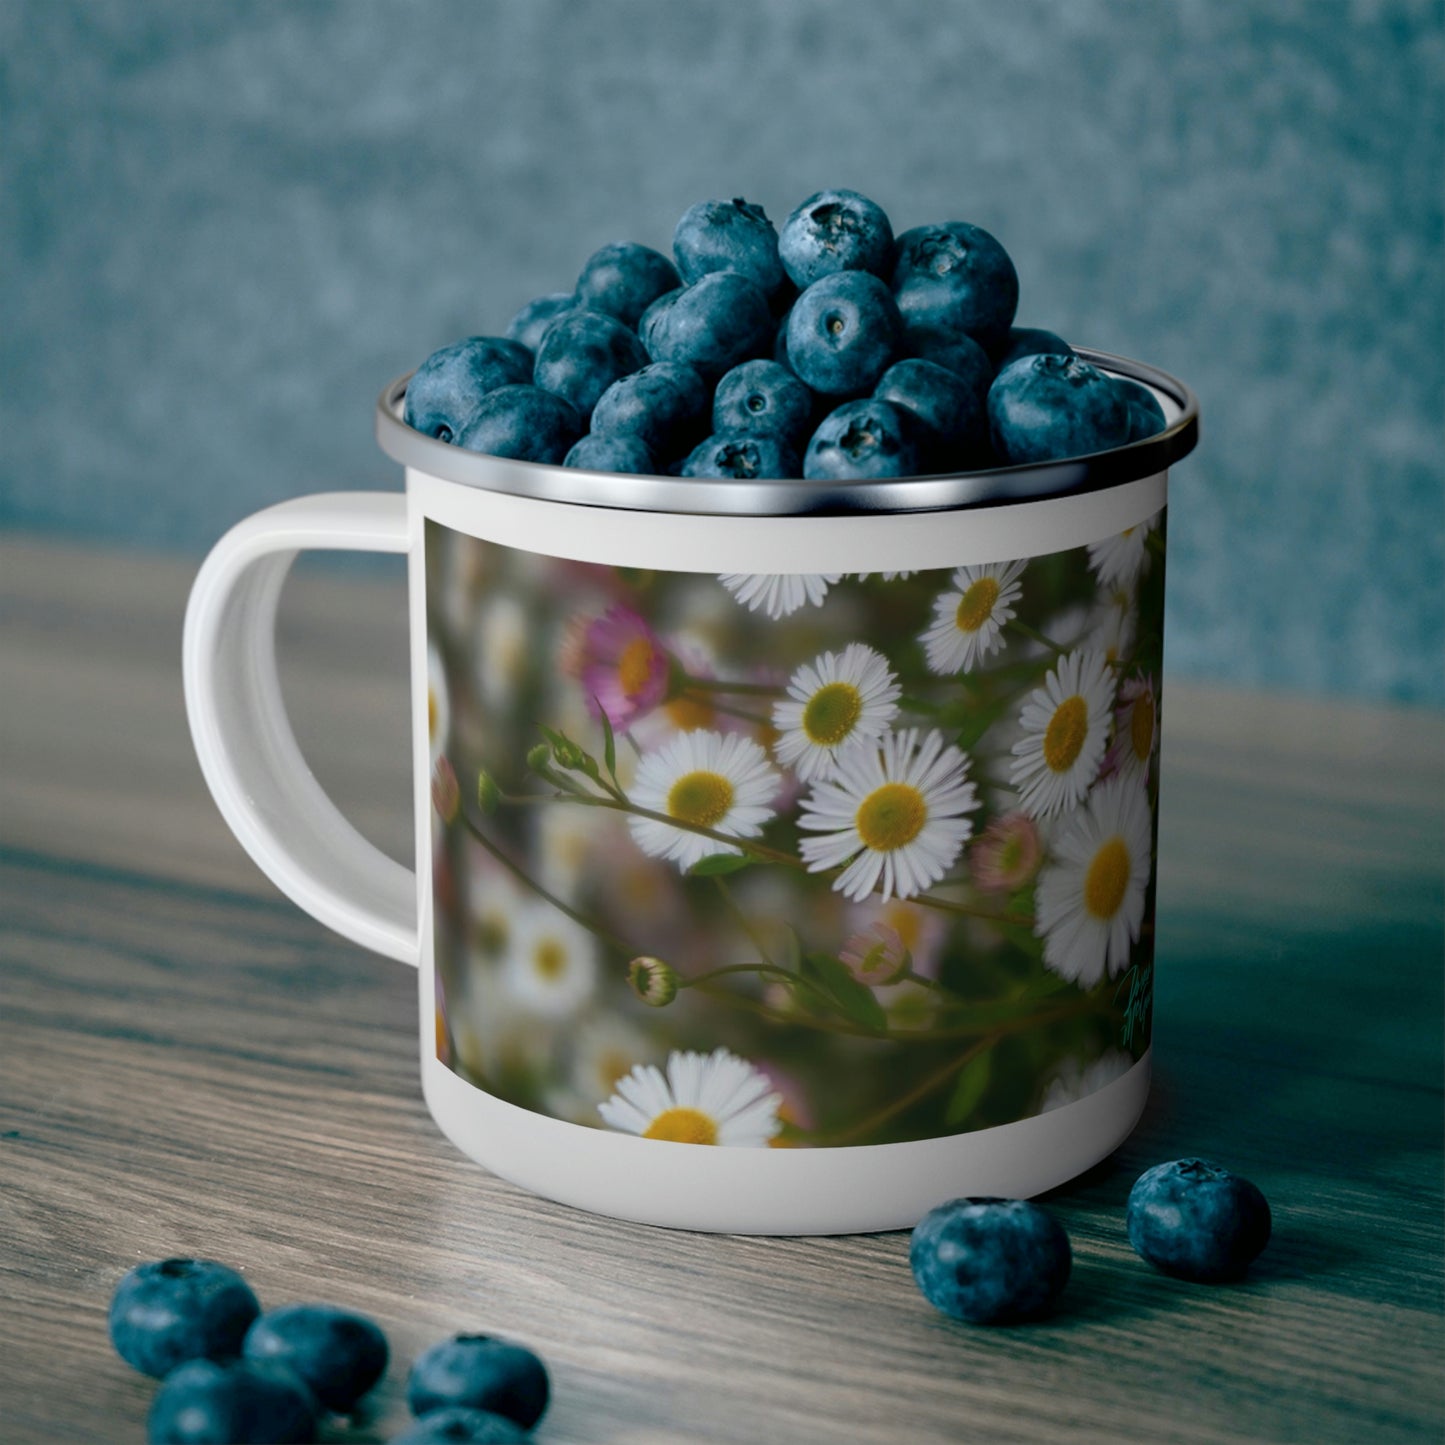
{"x":711,"y":324}
{"x":664,"y":406}
{"x":1146,"y":416}
{"x":843,"y":332}
{"x":1197,"y":1221}
{"x":582,"y":353}
{"x":460,"y":1425}
{"x":728,"y":236}
{"x":338,"y":1354}
{"x":956,"y":277}
{"x":239,"y":1402}
{"x":528,"y":325}
{"x":483,"y":1373}
{"x":523,"y":422}
{"x":445,"y":391}
{"x":621,"y":453}
{"x":861,"y":440}
{"x":835,"y":231}
{"x":168,"y":1311}
{"x":990,"y":1261}
{"x":762,"y":396}
{"x":1047,"y":407}
{"x":1030,"y":341}
{"x":624,"y":279}
{"x":742,"y":456}
{"x":951,"y":412}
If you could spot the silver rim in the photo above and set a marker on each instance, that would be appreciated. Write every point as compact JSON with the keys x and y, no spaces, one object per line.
{"x":798,"y":498}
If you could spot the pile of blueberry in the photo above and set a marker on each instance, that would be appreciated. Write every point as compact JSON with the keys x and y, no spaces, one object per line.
{"x":829,"y":350}
{"x":1000,"y":1261}
{"x":233,"y":1374}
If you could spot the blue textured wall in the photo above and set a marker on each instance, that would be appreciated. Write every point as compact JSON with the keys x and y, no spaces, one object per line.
{"x":223,"y":227}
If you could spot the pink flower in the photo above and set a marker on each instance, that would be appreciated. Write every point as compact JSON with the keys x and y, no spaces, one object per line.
{"x":624,"y":667}
{"x":1007,"y":854}
{"x":876,"y":956}
{"x":1136,"y":730}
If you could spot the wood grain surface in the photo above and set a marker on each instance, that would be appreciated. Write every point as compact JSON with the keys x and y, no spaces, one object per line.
{"x":190,"y":1065}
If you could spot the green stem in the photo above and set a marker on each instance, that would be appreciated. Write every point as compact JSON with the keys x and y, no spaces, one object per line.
{"x":1025,"y":630}
{"x":744,"y":922}
{"x":793,"y":980}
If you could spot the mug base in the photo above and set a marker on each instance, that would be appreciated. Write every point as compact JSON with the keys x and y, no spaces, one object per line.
{"x":847,"y":1190}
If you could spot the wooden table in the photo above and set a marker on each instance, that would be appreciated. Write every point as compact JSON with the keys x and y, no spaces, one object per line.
{"x":190,"y":1065}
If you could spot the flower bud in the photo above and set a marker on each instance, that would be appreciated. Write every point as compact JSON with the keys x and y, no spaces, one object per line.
{"x":653,"y":981}
{"x":539,"y":758}
{"x":567,"y":753}
{"x":446,"y":795}
{"x":489,"y":795}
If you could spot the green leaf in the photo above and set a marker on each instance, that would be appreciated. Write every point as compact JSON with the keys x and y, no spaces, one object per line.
{"x":855,"y":1000}
{"x":717,"y":864}
{"x":609,"y":743}
{"x":972,"y":1085}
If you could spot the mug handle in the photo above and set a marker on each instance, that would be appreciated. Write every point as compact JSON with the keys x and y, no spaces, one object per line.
{"x":243,"y":738}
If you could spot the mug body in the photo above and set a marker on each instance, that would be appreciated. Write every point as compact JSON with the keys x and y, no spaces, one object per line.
{"x":825,"y":841}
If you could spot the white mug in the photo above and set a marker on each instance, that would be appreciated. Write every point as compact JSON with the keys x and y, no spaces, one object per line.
{"x":813,"y":822}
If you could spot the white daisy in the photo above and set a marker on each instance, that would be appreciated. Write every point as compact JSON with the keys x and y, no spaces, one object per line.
{"x":1136,"y":729}
{"x":438,"y":704}
{"x":831,"y":701}
{"x":723,"y":782}
{"x":968,"y":620}
{"x":778,"y":593}
{"x":886,"y":576}
{"x":504,"y":646}
{"x":714,"y":1098}
{"x":892,"y":811}
{"x":1077,"y":1081}
{"x":550,"y":967}
{"x":1121,"y":560}
{"x":1065,"y":726}
{"x":1090,"y":899}
{"x":608,"y":1048}
{"x":1113,"y":623}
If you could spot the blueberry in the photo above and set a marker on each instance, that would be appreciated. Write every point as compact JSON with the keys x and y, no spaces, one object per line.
{"x":459,"y":1425}
{"x":524,"y":422}
{"x":762,"y":396}
{"x":1030,"y":341}
{"x":664,"y":406}
{"x":1146,"y":416}
{"x":1046,"y":407}
{"x":742,"y":456}
{"x":172,"y":1310}
{"x":861,"y":440}
{"x":582,"y":354}
{"x":956,"y":277}
{"x":624,"y":279}
{"x":843,"y":332}
{"x":338,"y":1354}
{"x":445,"y":390}
{"x":712,"y":324}
{"x":1197,"y":1221}
{"x":485,"y":1373}
{"x":240,"y":1402}
{"x":952,"y":412}
{"x":959,"y":353}
{"x":728,"y":236}
{"x":619,"y":453}
{"x":528,"y":325}
{"x":990,"y":1261}
{"x":835,"y":231}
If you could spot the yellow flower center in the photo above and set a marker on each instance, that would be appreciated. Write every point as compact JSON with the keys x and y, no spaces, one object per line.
{"x":1107,"y":879}
{"x":634,"y":666}
{"x":701,"y":798}
{"x":1064,"y":739}
{"x":832,"y":713}
{"x":687,"y":713}
{"x":907,"y":923}
{"x":431,"y":714}
{"x":1141,"y":728}
{"x":613,"y":1065}
{"x":549,"y":958}
{"x":682,"y":1126}
{"x":975,"y":607}
{"x":891,"y":816}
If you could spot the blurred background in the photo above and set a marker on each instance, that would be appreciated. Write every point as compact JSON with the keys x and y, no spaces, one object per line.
{"x":224,"y":227}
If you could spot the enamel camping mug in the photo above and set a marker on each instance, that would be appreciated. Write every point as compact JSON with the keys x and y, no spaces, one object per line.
{"x":812,"y":823}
